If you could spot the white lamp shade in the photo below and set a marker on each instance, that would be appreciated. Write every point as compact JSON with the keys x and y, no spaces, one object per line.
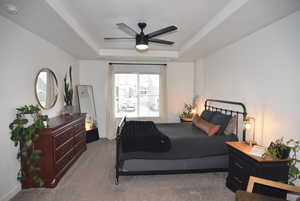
{"x":248,"y":126}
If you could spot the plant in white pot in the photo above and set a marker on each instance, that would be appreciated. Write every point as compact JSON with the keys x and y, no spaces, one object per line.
{"x":24,"y":133}
{"x":68,"y":92}
{"x":187,"y":113}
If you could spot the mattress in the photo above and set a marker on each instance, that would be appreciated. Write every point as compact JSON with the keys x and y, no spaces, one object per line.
{"x":187,"y":141}
{"x":205,"y":163}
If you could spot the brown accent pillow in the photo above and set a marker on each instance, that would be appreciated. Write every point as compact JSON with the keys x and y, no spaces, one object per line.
{"x":209,"y":128}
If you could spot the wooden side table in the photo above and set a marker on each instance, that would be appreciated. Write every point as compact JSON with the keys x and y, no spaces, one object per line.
{"x":242,"y":165}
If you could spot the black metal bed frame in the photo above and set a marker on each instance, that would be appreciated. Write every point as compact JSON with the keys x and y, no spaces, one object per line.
{"x":207,"y":105}
{"x":228,"y":111}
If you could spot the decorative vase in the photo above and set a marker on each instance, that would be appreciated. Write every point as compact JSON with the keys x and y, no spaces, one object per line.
{"x":69,"y":109}
{"x":30,"y":119}
{"x":284,"y":153}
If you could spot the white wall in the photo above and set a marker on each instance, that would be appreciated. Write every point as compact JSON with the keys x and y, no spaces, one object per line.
{"x":199,"y":84}
{"x":22,"y":54}
{"x":179,"y":87}
{"x":262,"y":71}
{"x":94,"y":72}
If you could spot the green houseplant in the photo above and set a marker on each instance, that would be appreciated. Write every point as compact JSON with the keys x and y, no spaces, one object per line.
{"x":281,"y":150}
{"x":68,"y":90}
{"x":187,"y":112}
{"x":23,"y":133}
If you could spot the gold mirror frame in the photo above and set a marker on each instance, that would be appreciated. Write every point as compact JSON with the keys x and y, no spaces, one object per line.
{"x":35,"y":88}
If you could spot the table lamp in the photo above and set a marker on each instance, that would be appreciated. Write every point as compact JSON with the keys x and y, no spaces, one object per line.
{"x":249,"y":124}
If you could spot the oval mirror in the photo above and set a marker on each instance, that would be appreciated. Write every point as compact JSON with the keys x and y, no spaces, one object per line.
{"x":46,"y":89}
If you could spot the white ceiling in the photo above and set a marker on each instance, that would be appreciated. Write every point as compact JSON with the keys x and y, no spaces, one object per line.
{"x":40,"y":18}
{"x":100,"y":18}
{"x":204,"y":26}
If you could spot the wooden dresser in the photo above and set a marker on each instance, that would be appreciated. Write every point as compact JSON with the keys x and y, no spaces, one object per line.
{"x":242,"y":165}
{"x":61,"y":143}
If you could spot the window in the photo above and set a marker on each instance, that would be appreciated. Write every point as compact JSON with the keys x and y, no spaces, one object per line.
{"x":136,"y":95}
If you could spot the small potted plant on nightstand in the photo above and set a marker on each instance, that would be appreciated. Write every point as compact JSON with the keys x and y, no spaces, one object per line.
{"x":187,"y":114}
{"x":281,"y":150}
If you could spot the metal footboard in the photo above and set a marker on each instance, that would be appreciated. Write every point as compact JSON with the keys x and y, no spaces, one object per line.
{"x":118,"y":143}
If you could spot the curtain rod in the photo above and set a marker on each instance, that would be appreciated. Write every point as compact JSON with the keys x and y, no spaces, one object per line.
{"x":150,"y":64}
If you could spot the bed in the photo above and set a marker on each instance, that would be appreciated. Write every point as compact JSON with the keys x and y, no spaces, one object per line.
{"x":192,"y":151}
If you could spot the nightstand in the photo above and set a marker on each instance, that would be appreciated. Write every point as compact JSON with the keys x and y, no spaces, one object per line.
{"x":92,"y":135}
{"x":242,"y":165}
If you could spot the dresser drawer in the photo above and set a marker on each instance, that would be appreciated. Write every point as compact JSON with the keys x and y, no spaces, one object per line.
{"x":63,"y":136}
{"x":240,"y":166}
{"x":62,"y":129}
{"x":80,"y":137}
{"x":64,"y":149}
{"x":78,"y":128}
{"x":240,"y":169}
{"x":79,"y":149}
{"x":236,"y":183}
{"x":64,"y":161}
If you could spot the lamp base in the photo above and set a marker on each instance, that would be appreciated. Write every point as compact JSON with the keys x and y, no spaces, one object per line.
{"x":251,"y":142}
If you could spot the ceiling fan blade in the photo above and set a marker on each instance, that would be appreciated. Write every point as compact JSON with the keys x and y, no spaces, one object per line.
{"x":117,"y":38}
{"x":154,"y":40}
{"x":162,"y":31}
{"x":127,"y":29}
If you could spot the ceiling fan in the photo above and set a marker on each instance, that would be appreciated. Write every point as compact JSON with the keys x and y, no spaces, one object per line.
{"x":142,"y":40}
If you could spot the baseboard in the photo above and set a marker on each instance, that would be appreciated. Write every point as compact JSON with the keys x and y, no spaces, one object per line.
{"x":11,"y":193}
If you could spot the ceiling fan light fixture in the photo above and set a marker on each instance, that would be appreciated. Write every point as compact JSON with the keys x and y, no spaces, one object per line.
{"x":142,"y":40}
{"x":141,"y":47}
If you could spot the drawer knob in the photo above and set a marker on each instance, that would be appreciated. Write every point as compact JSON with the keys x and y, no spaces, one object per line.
{"x":238,"y":165}
{"x":53,"y":181}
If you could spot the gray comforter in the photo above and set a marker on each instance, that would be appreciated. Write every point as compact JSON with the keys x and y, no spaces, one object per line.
{"x":187,"y":142}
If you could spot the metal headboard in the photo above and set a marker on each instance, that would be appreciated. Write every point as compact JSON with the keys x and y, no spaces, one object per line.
{"x":242,"y":112}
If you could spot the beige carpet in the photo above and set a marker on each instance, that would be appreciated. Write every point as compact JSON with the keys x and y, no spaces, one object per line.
{"x":92,"y":179}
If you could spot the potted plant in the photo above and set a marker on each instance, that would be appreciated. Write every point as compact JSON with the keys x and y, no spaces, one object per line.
{"x":68,"y":90}
{"x":281,"y":150}
{"x":24,"y":133}
{"x":187,"y":113}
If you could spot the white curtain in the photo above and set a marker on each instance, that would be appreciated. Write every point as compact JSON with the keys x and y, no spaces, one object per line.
{"x":111,"y":124}
{"x":111,"y":121}
{"x":163,"y":95}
